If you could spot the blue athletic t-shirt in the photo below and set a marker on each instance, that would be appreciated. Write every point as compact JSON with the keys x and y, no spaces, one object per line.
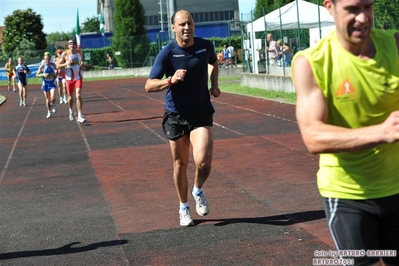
{"x":21,"y":75}
{"x":191,"y":94}
{"x":49,"y":81}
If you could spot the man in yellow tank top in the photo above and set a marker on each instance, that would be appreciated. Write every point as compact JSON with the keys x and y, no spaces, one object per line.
{"x":9,"y":67}
{"x":348,"y":112}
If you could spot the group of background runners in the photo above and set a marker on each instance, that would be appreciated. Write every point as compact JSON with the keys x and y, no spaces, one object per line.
{"x":63,"y":72}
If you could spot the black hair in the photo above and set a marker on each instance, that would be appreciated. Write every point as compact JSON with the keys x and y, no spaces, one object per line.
{"x":385,"y":25}
{"x":172,"y":19}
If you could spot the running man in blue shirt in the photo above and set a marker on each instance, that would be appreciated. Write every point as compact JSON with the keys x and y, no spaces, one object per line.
{"x":20,"y":72}
{"x":188,"y":117}
{"x":49,"y":84}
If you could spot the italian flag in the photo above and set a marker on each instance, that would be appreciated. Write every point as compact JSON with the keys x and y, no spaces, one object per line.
{"x":77,"y":30}
{"x":102,"y":23}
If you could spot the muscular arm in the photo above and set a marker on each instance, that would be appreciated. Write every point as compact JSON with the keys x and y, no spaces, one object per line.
{"x":61,"y":62}
{"x":39,"y":71}
{"x":215,"y":91}
{"x":311,"y":113}
{"x":155,"y":85}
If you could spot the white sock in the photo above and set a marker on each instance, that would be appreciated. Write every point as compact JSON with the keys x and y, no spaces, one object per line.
{"x":70,"y":111}
{"x":184,"y":205}
{"x":196,"y":190}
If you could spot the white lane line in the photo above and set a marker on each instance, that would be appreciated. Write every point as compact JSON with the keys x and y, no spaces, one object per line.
{"x":84,"y":136}
{"x":257,"y":112}
{"x":231,"y":130}
{"x":155,"y":133}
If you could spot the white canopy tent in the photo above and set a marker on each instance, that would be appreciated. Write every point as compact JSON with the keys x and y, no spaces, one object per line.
{"x":297,"y":14}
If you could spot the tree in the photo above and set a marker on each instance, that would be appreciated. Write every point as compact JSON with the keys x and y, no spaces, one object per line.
{"x":23,"y":25}
{"x":91,"y":25}
{"x":263,"y":7}
{"x":26,"y":49}
{"x":59,"y":36}
{"x":130,"y":37}
{"x":387,"y":11}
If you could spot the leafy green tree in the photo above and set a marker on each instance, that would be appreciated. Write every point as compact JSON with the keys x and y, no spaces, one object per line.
{"x":387,"y":11}
{"x":129,"y":33}
{"x":59,"y":36}
{"x":26,"y":49}
{"x":91,"y":25}
{"x":23,"y":25}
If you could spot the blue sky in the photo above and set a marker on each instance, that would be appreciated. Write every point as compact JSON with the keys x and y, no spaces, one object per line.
{"x":60,"y":15}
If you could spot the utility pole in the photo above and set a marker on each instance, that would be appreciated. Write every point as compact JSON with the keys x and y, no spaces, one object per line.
{"x":171,"y":11}
{"x":163,"y":12}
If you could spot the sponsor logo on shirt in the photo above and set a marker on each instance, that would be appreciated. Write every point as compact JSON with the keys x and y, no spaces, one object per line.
{"x":346,"y":91}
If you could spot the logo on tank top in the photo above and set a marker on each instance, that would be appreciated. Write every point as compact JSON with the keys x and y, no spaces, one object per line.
{"x":346,"y":91}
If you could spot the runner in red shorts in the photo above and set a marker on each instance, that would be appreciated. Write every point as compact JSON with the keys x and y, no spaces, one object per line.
{"x":72,"y":60}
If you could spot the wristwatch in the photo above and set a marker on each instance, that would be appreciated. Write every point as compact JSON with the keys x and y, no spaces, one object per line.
{"x":169,"y":79}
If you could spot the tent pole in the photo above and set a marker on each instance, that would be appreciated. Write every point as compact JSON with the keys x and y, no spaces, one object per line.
{"x":266,"y":45}
{"x":281,"y":36}
{"x":299,"y":26}
{"x":253,"y":48}
{"x":318,"y":8}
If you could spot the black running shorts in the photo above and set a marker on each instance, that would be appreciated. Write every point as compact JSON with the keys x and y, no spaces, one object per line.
{"x":176,"y":125}
{"x":367,"y":229}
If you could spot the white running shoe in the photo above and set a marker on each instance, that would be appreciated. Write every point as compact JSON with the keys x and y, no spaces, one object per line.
{"x":81,"y":119}
{"x":185,"y":217}
{"x":23,"y":103}
{"x":65,"y":100}
{"x":201,"y":204}
{"x":53,"y":109}
{"x":61,"y":101}
{"x":71,"y":116}
{"x":48,"y":114}
{"x":20,"y":102}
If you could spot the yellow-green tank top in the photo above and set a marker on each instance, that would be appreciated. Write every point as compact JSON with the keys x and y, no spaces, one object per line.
{"x":358,"y":93}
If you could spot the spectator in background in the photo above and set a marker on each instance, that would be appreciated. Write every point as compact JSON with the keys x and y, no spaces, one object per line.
{"x":287,"y":54}
{"x":226,"y":56}
{"x":279,"y":47}
{"x":385,"y":25}
{"x":110,"y":62}
{"x":232,"y":55}
{"x":220,"y":57}
{"x":272,"y":50}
